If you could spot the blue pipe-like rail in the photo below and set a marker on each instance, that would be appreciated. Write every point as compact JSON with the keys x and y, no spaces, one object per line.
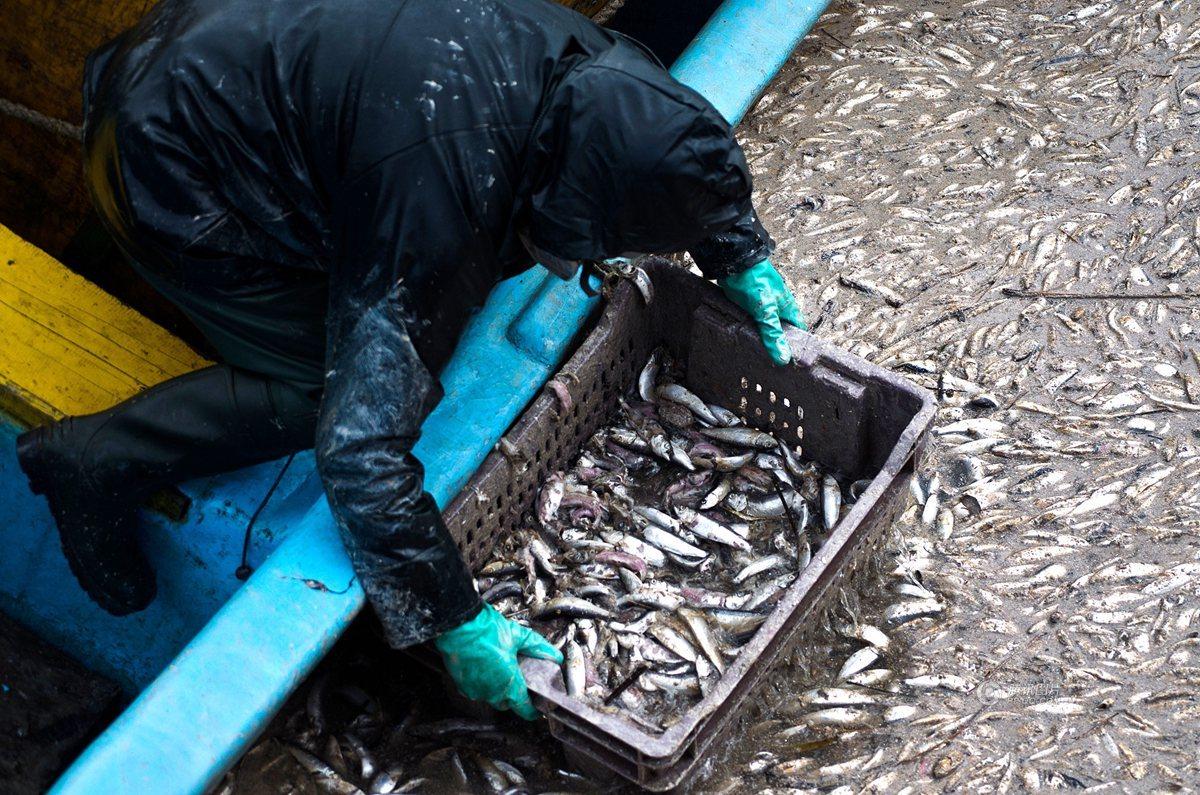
{"x":197,"y":718}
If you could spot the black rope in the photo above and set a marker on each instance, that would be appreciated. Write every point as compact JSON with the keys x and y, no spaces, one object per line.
{"x":244,"y":571}
{"x":787,"y":509}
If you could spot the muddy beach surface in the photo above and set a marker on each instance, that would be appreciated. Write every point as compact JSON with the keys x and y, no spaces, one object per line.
{"x":1000,"y":200}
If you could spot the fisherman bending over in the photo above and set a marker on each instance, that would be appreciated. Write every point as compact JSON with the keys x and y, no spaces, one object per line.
{"x":328,"y":189}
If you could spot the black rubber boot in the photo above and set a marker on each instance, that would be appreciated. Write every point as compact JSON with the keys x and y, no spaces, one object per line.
{"x":96,"y":470}
{"x":97,"y":532}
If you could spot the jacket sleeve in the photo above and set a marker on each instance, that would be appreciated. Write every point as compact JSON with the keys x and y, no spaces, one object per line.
{"x":744,"y":244}
{"x":377,"y":392}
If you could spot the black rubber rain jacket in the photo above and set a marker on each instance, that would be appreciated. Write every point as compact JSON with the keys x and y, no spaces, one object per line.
{"x":399,"y":149}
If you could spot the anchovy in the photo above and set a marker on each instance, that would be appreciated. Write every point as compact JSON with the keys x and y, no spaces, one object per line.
{"x":366,"y":763}
{"x":657,"y":517}
{"x":684,"y":397}
{"x":769,"y":507}
{"x":734,"y":620}
{"x":903,"y":612}
{"x":646,"y":597}
{"x":596,"y":590}
{"x":680,"y":456}
{"x":673,"y":641}
{"x":724,"y":416}
{"x":703,"y":527}
{"x":831,"y":501}
{"x":797,"y":469}
{"x":700,"y":631}
{"x":635,"y":546}
{"x":837,"y":697}
{"x":677,"y":685}
{"x":727,"y":463}
{"x":515,"y":777}
{"x":944,"y":681}
{"x":838,"y":716}
{"x":671,"y":543}
{"x":714,"y":497}
{"x":630,"y":440}
{"x":574,"y":668}
{"x":868,"y":634}
{"x":767,"y":592}
{"x":860,"y":661}
{"x":386,"y":782}
{"x":872,"y":677}
{"x":542,"y":556}
{"x":743,"y":437}
{"x":631,"y":581}
{"x":759,"y":566}
{"x":569,"y":607}
{"x":326,"y":776}
{"x":648,"y":376}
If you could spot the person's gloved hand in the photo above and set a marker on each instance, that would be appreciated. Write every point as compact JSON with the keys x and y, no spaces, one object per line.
{"x":762,"y":292}
{"x":481,"y":656}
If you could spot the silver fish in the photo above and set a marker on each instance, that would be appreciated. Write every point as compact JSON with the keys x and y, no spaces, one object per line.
{"x":860,"y":661}
{"x":574,"y":668}
{"x":326,"y":776}
{"x":657,"y":517}
{"x":831,"y":501}
{"x":648,"y":376}
{"x":700,"y":631}
{"x":724,"y":416}
{"x":759,"y":566}
{"x":703,"y":527}
{"x":569,"y":607}
{"x":671,"y":543}
{"x":684,"y":397}
{"x":742,"y":437}
{"x":719,"y":493}
{"x":768,"y":507}
{"x":673,"y":641}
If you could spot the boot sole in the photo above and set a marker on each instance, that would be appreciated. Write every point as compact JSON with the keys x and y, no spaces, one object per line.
{"x":94,"y":591}
{"x":32,"y":466}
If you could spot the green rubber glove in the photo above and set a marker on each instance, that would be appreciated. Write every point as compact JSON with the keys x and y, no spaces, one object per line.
{"x":763,"y":293}
{"x":481,"y":656}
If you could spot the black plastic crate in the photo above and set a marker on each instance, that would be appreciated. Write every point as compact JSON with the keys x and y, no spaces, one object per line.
{"x":850,"y":416}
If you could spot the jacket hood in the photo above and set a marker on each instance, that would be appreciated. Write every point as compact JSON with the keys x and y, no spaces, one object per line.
{"x":624,"y":158}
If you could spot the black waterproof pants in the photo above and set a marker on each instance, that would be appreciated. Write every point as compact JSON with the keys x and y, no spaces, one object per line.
{"x":260,"y":403}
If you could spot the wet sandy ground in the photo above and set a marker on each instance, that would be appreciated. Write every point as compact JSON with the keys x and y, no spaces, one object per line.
{"x":999,"y":199}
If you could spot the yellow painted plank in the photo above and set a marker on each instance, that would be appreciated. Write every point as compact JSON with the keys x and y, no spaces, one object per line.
{"x":68,"y":347}
{"x":91,"y":319}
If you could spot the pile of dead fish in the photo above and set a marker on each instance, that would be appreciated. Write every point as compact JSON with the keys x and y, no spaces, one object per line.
{"x":657,"y":556}
{"x":372,"y":722}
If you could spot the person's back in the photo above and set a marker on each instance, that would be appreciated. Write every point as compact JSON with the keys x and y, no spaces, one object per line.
{"x":269,"y":111}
